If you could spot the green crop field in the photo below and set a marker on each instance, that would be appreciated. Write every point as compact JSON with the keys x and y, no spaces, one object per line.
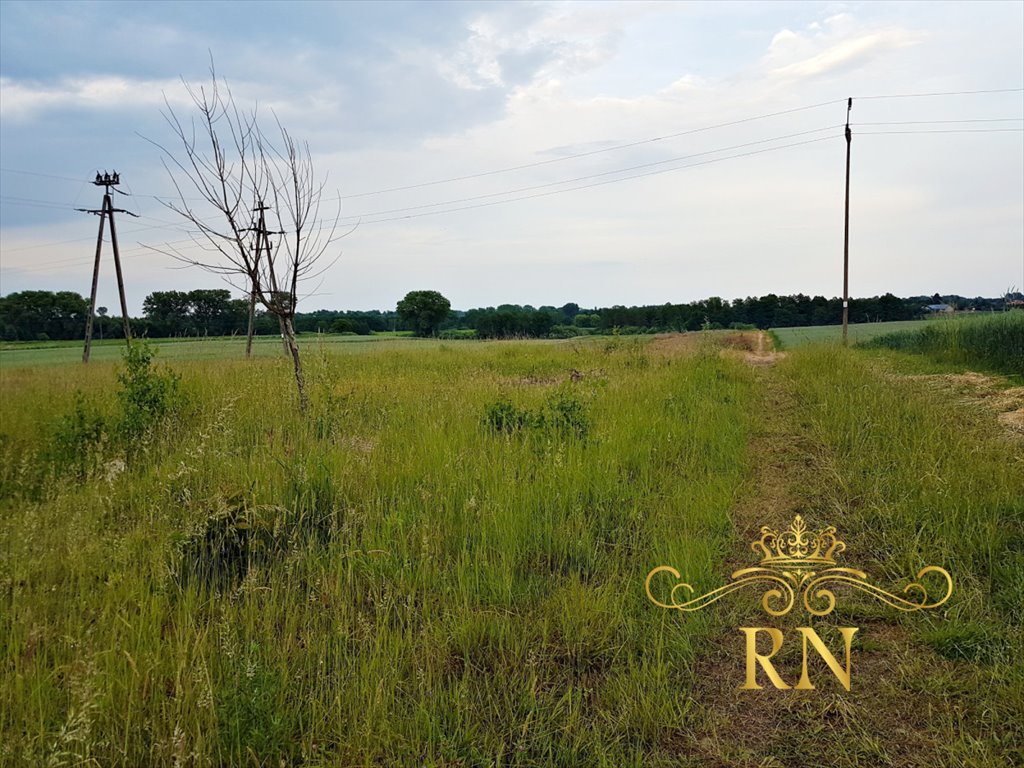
{"x":789,"y":338}
{"x":21,"y":354}
{"x":993,"y":341}
{"x":442,"y":562}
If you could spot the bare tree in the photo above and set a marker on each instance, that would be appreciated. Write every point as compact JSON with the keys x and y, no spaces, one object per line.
{"x":233,"y":183}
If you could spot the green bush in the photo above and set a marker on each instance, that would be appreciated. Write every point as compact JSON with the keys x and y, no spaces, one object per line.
{"x":504,"y":416}
{"x":79,"y":439}
{"x":562,"y":414}
{"x":147,"y":395}
{"x":458,"y":333}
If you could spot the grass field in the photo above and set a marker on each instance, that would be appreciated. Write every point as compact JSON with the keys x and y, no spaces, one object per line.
{"x":20,"y":354}
{"x":442,"y":563}
{"x":790,"y":338}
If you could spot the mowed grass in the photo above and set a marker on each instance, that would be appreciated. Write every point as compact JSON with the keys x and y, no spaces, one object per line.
{"x":387,"y":581}
{"x":915,"y":478}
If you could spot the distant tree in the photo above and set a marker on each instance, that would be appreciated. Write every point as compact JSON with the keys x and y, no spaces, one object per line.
{"x":424,"y":311}
{"x":210,"y":310}
{"x":59,"y":315}
{"x":168,"y":312}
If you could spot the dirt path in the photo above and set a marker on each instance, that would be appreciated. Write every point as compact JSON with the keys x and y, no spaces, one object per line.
{"x":892,"y":715}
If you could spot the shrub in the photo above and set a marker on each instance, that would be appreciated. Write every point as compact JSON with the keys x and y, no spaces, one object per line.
{"x":565,"y":414}
{"x":504,"y":416}
{"x":569,"y":331}
{"x":79,"y":439}
{"x":562,"y":414}
{"x":147,"y":395}
{"x":220,"y":551}
{"x":458,"y":333}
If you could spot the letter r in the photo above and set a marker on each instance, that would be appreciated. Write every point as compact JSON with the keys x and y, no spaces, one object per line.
{"x":754,"y":658}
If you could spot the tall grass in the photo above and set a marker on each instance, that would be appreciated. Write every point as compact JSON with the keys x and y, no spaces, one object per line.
{"x":390,"y":581}
{"x":993,"y":341}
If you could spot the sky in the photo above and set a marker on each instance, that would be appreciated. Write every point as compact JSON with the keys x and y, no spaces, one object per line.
{"x":618,"y":153}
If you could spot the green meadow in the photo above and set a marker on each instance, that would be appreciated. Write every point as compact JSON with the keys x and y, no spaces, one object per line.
{"x":442,"y":562}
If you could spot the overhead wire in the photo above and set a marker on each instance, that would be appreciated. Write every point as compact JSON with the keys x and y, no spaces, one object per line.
{"x":937,"y":93}
{"x":604,"y":183}
{"x":616,"y":171}
{"x":368,"y":218}
{"x":943,"y":130}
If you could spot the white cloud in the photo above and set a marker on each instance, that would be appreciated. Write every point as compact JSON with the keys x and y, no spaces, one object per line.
{"x":839,"y":42}
{"x":520,"y":44}
{"x":24,"y":99}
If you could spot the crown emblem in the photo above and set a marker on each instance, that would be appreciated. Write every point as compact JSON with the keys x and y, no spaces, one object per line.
{"x":798,"y":548}
{"x":800,"y":560}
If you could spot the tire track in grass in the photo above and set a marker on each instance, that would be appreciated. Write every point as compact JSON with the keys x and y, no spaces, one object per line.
{"x":905,"y":706}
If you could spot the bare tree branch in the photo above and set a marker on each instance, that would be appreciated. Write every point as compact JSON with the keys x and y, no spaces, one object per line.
{"x":243,"y":178}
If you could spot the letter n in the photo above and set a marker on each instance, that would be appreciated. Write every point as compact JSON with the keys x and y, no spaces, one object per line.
{"x":826,"y":654}
{"x":754,"y":658}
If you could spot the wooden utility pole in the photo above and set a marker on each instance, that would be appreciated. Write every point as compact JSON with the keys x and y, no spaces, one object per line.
{"x":107,"y":181}
{"x":258,"y":229}
{"x":846,"y":229}
{"x":262,"y":246}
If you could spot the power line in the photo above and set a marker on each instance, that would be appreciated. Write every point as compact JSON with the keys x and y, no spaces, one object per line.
{"x":945,"y":122}
{"x":947,"y":130}
{"x":163,"y":225}
{"x":603,"y":183}
{"x":575,"y":179}
{"x":194,"y":243}
{"x":34,"y":203}
{"x":593,"y":175}
{"x":35,"y":173}
{"x":170,"y":225}
{"x":615,"y":148}
{"x":942,"y":93}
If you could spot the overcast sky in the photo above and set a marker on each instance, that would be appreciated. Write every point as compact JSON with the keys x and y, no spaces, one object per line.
{"x":395,"y":95}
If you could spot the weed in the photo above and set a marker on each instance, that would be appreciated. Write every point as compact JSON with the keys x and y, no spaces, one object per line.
{"x":79,"y":439}
{"x":504,"y":416}
{"x":147,"y":395}
{"x":562,"y":414}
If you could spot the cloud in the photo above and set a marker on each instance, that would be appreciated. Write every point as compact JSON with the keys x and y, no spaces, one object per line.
{"x":838,"y":43}
{"x":519,"y":44}
{"x":24,"y":99}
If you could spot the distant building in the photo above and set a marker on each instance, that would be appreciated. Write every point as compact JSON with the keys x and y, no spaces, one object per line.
{"x":939,"y":308}
{"x":1015,"y":303}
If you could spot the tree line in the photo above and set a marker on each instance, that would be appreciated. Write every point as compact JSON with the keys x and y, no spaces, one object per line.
{"x":42,"y":315}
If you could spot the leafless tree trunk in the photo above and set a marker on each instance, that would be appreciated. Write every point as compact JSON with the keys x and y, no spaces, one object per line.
{"x":231,"y":180}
